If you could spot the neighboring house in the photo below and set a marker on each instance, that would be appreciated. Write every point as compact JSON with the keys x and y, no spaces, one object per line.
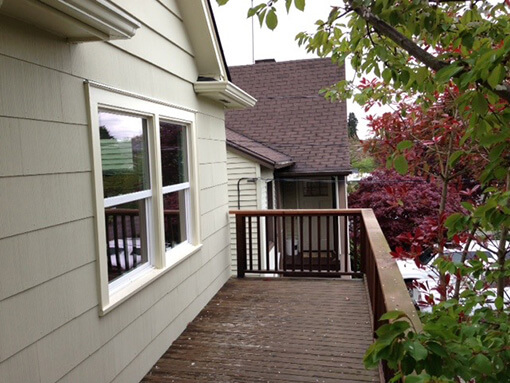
{"x":293,"y":140}
{"x":251,"y":185}
{"x":113,"y":185}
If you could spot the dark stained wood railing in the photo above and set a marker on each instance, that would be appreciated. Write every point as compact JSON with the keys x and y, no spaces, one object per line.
{"x":304,"y":242}
{"x":123,"y":238}
{"x":355,"y":247}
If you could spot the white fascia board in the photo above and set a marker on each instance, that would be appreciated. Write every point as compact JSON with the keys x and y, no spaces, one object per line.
{"x":231,"y":96}
{"x":77,"y":20}
{"x":199,"y":24}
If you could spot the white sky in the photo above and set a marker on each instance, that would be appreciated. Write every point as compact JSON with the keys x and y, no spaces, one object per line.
{"x":236,"y":37}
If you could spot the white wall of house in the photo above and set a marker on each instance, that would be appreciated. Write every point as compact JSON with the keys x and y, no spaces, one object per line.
{"x":50,"y":324}
{"x":249,"y":197}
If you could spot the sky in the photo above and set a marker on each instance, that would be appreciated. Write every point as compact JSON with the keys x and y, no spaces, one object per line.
{"x":236,"y":37}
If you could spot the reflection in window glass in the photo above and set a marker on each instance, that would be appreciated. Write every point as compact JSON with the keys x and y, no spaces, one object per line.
{"x":174,"y":156}
{"x":175,"y":218}
{"x":124,"y":153}
{"x":126,"y":238}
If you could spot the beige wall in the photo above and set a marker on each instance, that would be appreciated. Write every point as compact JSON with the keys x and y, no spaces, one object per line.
{"x":241,"y":167}
{"x":50,"y":328}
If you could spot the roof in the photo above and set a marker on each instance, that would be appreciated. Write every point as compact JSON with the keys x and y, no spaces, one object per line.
{"x":258,"y":151}
{"x":291,"y":117}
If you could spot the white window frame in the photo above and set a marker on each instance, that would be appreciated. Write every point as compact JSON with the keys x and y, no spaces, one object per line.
{"x":108,"y":99}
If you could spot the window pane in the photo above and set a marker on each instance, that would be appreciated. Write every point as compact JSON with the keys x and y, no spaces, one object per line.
{"x":175,"y":218}
{"x":174,"y":153}
{"x":124,"y":153}
{"x":126,"y":238}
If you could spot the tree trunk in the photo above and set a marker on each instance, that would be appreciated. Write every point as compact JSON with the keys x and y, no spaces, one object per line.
{"x":502,"y":251}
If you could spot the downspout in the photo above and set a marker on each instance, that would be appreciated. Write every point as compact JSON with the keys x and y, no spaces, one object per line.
{"x":247,"y":179}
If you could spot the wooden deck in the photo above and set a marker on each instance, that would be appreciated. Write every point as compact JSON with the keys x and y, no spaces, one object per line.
{"x":274,"y":330}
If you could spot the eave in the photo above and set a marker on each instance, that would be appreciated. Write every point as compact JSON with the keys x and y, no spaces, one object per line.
{"x":264,"y":161}
{"x":318,"y":173}
{"x":74,"y":20}
{"x":231,"y":96}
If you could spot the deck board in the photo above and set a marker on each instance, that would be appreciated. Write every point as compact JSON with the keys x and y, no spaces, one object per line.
{"x":274,"y":330}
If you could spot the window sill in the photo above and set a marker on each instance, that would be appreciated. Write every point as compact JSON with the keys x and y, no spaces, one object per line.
{"x":173,"y":258}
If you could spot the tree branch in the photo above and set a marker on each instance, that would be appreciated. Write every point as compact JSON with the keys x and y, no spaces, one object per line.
{"x":415,"y":50}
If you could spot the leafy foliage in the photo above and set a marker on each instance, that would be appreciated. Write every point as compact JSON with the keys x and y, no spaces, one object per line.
{"x":428,"y":141}
{"x":402,"y":203}
{"x":456,"y":342}
{"x":352,"y":123}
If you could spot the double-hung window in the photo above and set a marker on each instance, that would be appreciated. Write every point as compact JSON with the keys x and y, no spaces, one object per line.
{"x":127,"y":191}
{"x":175,"y":185}
{"x":145,"y":203}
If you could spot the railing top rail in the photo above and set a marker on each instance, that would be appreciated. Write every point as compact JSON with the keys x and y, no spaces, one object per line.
{"x":393,"y":288}
{"x":298,"y":212}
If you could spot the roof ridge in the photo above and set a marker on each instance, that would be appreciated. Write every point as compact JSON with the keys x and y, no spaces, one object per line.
{"x":283,"y":62}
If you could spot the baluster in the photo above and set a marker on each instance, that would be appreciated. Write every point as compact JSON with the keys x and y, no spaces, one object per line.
{"x":319,"y":242}
{"x":275,"y":228}
{"x":346,"y":243}
{"x":107,"y":216}
{"x":310,"y":241}
{"x":250,"y":242}
{"x":133,"y":238}
{"x":292,"y":242}
{"x":336,"y":242}
{"x":266,"y":218}
{"x":284,"y":244}
{"x":124,"y":239}
{"x":241,"y":245}
{"x":175,"y":228}
{"x":328,"y":254}
{"x":355,"y":243}
{"x":116,"y":241}
{"x":302,"y":254}
{"x":259,"y":261}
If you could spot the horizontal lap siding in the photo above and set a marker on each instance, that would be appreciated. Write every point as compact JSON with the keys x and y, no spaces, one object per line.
{"x":50,"y":328}
{"x":239,"y":167}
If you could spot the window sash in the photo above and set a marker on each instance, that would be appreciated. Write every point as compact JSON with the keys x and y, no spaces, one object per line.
{"x":175,"y":188}
{"x":126,"y":198}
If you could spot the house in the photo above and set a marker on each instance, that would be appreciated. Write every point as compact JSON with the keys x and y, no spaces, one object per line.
{"x":113,"y":185}
{"x":291,"y":151}
{"x":251,"y":183}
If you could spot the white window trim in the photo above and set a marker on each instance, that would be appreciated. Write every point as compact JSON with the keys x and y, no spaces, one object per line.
{"x":102,"y":97}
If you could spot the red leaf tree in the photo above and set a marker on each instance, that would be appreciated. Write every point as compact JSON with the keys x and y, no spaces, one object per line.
{"x":404,"y":204}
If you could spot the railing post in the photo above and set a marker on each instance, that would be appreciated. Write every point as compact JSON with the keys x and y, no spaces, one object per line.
{"x":363,"y":247}
{"x":241,"y":245}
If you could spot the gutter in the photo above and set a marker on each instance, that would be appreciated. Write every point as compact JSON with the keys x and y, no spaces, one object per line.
{"x":261,"y":159}
{"x":230,"y":95}
{"x":340,"y":172}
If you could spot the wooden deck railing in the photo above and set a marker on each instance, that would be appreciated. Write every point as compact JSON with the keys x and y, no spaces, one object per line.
{"x":123,"y":238}
{"x":323,"y":243}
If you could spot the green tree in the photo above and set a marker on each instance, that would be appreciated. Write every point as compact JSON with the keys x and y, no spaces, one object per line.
{"x":352,"y":124}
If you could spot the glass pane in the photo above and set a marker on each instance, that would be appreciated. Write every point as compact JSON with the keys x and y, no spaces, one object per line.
{"x":126,"y":238}
{"x":175,"y":218}
{"x":124,"y":153}
{"x":174,"y":153}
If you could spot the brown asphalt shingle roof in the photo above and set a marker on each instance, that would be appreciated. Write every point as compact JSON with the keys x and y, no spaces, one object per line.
{"x":260,"y":152}
{"x":291,"y":117}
